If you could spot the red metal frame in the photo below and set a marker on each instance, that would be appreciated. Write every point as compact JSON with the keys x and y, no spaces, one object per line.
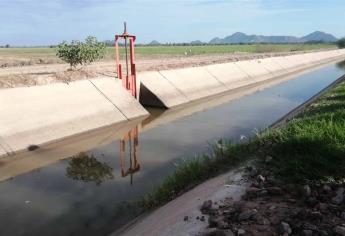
{"x":133,"y":142}
{"x":129,"y":80}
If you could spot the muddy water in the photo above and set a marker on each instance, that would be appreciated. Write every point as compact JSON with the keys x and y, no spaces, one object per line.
{"x":93,"y":192}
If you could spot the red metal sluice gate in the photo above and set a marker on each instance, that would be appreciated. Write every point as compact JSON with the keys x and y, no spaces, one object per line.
{"x":129,"y":79}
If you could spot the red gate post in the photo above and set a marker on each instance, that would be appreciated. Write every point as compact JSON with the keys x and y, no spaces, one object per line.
{"x":129,"y":81}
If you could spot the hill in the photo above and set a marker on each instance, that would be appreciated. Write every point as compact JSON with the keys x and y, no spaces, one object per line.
{"x":240,"y":37}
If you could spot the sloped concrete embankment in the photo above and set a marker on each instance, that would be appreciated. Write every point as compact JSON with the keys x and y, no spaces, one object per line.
{"x":30,"y":117}
{"x":172,"y":88}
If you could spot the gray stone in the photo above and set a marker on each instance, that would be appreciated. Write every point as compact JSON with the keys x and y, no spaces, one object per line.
{"x":322,"y":232}
{"x":247,"y":215}
{"x":339,"y":230}
{"x":307,"y":232}
{"x":342,"y":215}
{"x":206,"y":206}
{"x":284,"y":228}
{"x":327,"y":189}
{"x":275,"y":190}
{"x":339,"y":198}
{"x":306,"y":191}
{"x":241,"y":232}
{"x":268,"y":159}
{"x":215,"y":221}
{"x":309,"y":226}
{"x":261,"y":179}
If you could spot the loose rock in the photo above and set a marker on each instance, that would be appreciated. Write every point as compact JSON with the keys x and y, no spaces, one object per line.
{"x":339,"y":198}
{"x":206,"y":206}
{"x":284,"y":228}
{"x":247,"y":215}
{"x":339,"y":230}
{"x":307,"y":233}
{"x":306,"y":191}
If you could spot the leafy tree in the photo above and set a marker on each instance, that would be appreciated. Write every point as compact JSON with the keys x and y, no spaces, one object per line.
{"x":7,"y":46}
{"x":341,"y":43}
{"x":81,"y":53}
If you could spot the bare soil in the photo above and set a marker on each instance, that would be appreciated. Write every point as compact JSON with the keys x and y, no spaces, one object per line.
{"x":31,"y":75}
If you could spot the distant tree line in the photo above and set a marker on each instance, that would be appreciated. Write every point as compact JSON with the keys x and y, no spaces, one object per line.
{"x":6,"y":46}
{"x":110,"y":43}
{"x":341,"y":43}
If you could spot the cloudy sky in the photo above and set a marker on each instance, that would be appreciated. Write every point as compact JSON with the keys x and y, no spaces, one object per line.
{"x":44,"y":22}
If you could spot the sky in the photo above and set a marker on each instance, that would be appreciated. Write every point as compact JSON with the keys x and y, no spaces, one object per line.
{"x":48,"y":22}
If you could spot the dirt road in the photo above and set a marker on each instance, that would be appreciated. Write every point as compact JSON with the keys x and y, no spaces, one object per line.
{"x":44,"y":74}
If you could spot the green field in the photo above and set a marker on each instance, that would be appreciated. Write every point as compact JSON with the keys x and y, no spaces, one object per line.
{"x":148,"y":51}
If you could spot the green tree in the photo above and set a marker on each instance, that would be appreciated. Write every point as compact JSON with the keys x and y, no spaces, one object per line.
{"x":7,"y":46}
{"x":81,"y":53}
{"x":341,"y":43}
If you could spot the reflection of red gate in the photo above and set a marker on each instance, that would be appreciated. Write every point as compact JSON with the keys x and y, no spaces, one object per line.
{"x":129,"y":81}
{"x":133,"y":142}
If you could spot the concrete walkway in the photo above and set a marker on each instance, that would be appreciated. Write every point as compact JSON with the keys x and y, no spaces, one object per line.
{"x":169,"y":219}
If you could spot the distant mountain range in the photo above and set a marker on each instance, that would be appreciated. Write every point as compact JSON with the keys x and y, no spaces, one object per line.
{"x":239,"y":37}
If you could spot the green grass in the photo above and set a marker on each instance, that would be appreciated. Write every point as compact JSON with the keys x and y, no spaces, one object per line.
{"x":311,"y":147}
{"x":49,"y":53}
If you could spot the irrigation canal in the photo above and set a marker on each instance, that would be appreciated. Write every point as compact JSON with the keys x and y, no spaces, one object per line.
{"x":93,"y":193}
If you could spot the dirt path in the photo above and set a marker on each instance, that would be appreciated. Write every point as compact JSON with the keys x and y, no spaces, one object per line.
{"x":44,"y":74}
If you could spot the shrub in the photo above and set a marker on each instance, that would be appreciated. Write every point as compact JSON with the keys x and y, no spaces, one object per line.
{"x":81,"y":53}
{"x":341,"y":43}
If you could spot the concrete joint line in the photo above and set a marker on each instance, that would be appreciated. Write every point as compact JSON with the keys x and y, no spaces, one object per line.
{"x":9,"y":151}
{"x":174,"y":86}
{"x":248,"y":75}
{"x":283,"y":67}
{"x":109,"y":100}
{"x":210,"y":73}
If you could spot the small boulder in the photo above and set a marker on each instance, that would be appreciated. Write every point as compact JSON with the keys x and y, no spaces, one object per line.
{"x":247,"y":215}
{"x":339,"y":198}
{"x":206,"y":206}
{"x":275,"y":191}
{"x":261,"y":179}
{"x":241,"y":232}
{"x":339,"y":230}
{"x":306,"y":191}
{"x":284,"y":228}
{"x":307,"y":232}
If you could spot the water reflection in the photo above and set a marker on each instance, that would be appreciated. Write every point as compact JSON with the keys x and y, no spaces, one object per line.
{"x":88,"y":169}
{"x":132,"y":138}
{"x":341,"y":65}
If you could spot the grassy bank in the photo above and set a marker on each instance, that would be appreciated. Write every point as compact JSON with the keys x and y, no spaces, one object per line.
{"x":145,"y":51}
{"x":310,"y":147}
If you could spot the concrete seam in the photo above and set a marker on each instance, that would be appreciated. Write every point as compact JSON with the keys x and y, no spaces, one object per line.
{"x":248,"y":75}
{"x":109,"y":100}
{"x":174,"y":86}
{"x":272,"y":72}
{"x":8,"y":150}
{"x":282,"y":66}
{"x":210,"y":73}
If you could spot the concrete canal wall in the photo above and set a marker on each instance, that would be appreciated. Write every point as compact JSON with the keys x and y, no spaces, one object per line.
{"x":38,"y":115}
{"x":172,"y":88}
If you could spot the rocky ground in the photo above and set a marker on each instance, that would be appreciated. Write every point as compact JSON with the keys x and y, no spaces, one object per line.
{"x":272,"y":207}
